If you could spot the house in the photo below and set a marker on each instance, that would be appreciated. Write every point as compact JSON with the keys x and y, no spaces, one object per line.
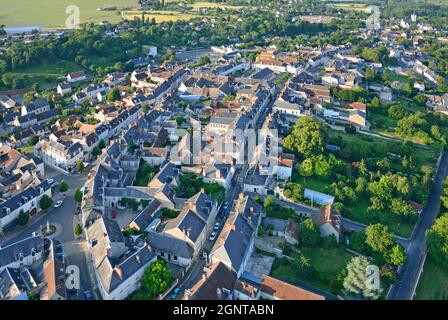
{"x":7,"y":102}
{"x":54,"y":272}
{"x":64,"y":89}
{"x":61,"y":154}
{"x":329,"y":222}
{"x":216,"y":284}
{"x":236,"y":241}
{"x":76,"y":76}
{"x":195,"y":221}
{"x":26,"y":201}
{"x":144,"y":221}
{"x":21,"y":138}
{"x":287,"y":108}
{"x":274,"y":289}
{"x":37,"y":106}
{"x":171,"y":249}
{"x":220,"y":173}
{"x":118,"y":275}
{"x":22,"y":253}
{"x":25,"y":121}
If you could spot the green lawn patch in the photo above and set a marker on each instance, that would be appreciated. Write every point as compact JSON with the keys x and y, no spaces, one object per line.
{"x":433,"y":283}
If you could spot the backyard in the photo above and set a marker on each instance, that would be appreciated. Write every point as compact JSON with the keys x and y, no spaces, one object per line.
{"x":329,"y":264}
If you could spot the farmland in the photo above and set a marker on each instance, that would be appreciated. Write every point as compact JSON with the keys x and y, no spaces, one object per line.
{"x":51,"y":13}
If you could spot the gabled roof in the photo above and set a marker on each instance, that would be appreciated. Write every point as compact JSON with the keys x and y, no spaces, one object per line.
{"x":170,"y":245}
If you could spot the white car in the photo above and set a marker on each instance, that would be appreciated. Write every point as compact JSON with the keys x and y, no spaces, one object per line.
{"x":50,"y":181}
{"x":213,"y":236}
{"x":216,"y":227}
{"x":58,"y":204}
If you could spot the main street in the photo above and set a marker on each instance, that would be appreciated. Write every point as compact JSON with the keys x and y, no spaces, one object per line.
{"x":409,"y":273}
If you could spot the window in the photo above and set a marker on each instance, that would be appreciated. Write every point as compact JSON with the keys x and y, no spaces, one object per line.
{"x":162,"y":254}
{"x":175,"y":258}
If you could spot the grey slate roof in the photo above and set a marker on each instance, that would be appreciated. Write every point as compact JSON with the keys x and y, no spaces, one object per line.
{"x":170,"y":245}
{"x":10,"y":254}
{"x":144,"y":218}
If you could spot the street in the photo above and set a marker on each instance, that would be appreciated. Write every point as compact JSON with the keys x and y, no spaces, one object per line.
{"x":408,"y":274}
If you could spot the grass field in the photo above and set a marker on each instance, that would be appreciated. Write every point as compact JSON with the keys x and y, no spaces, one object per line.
{"x":349,"y":6}
{"x":51,"y":13}
{"x":213,"y":5}
{"x":160,"y":16}
{"x":433,"y":283}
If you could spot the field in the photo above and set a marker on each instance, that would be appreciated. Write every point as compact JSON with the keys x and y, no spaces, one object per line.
{"x":349,"y":6}
{"x":51,"y":13}
{"x":213,"y":5}
{"x":433,"y":283}
{"x":159,"y":16}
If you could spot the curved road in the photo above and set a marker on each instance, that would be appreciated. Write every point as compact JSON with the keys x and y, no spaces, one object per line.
{"x":409,"y":273}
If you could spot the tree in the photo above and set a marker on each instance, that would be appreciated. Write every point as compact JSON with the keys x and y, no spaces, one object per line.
{"x":396,"y":256}
{"x":113,"y":95}
{"x":309,"y":233}
{"x":78,"y":195}
{"x":306,"y":168}
{"x":101,"y":144}
{"x":80,"y":166}
{"x":63,"y":187}
{"x":375,"y":103}
{"x":156,"y":280}
{"x":294,"y":191}
{"x":441,"y":83}
{"x":33,"y":140}
{"x":23,"y":218}
{"x":437,"y":240}
{"x":370,"y":74}
{"x":269,"y":201}
{"x":95,"y":152}
{"x":45,"y":202}
{"x":357,"y":283}
{"x":303,"y":267}
{"x":28,"y":97}
{"x":77,"y":230}
{"x":379,"y":238}
{"x":307,"y":137}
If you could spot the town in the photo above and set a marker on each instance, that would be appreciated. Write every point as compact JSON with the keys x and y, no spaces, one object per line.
{"x":227,"y":169}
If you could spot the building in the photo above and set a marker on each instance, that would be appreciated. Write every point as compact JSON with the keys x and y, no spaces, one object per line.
{"x":76,"y":76}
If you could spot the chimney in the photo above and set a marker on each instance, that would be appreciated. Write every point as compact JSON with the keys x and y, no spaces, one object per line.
{"x":241,"y":196}
{"x":202,"y":190}
{"x":219,"y":293}
{"x":119,"y":271}
{"x":218,"y":173}
{"x":204,"y":276}
{"x":137,"y":257}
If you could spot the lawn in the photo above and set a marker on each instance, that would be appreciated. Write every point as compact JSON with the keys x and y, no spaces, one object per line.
{"x":213,"y":5}
{"x":51,"y":13}
{"x":433,"y":283}
{"x":328,"y":263}
{"x":358,"y":212}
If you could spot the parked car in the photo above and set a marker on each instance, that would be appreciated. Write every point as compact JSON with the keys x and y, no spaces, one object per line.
{"x":225,"y":205}
{"x":50,"y":181}
{"x":174,"y":294}
{"x":88,"y":295}
{"x":216,"y":227}
{"x":58,"y":204}
{"x":213,"y":235}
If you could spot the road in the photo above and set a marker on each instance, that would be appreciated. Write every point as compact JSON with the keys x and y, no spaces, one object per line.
{"x":409,"y":273}
{"x":62,"y":217}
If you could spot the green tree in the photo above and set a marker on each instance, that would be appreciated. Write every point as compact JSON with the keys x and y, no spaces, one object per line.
{"x":437,"y":240}
{"x":396,"y":256}
{"x":95,"y":152}
{"x":80,"y":166}
{"x":113,"y":95}
{"x":306,"y":168}
{"x":375,"y":103}
{"x":156,"y":280}
{"x":78,"y":195}
{"x":307,"y":137}
{"x":101,"y":144}
{"x":45,"y":202}
{"x":379,"y":238}
{"x":269,"y":201}
{"x":63,"y":187}
{"x":23,"y":218}
{"x":356,"y":283}
{"x":309,"y":233}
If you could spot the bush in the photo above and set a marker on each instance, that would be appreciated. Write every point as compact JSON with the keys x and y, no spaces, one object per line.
{"x":329,"y":242}
{"x":78,"y":230}
{"x":78,"y":195}
{"x":23,"y":218}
